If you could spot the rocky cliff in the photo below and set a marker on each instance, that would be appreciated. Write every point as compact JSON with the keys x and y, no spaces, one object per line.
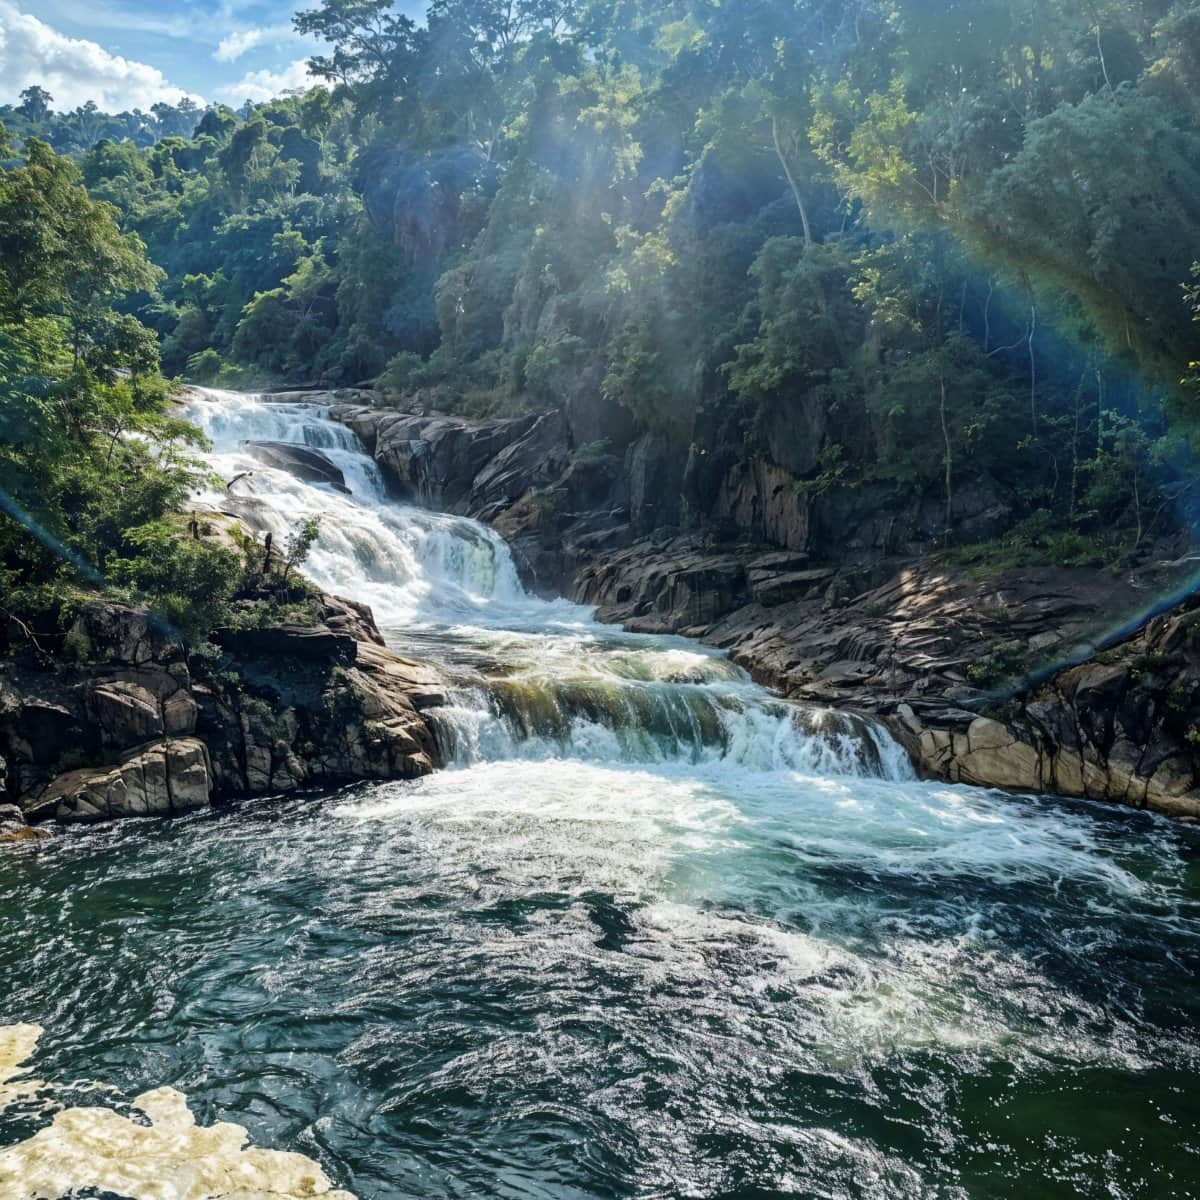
{"x":1004,"y":679}
{"x":123,"y":723}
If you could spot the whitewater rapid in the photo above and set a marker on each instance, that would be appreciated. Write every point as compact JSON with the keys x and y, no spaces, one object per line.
{"x":653,"y":933}
{"x":536,"y":680}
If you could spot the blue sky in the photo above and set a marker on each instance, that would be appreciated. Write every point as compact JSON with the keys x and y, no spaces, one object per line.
{"x":130,"y":53}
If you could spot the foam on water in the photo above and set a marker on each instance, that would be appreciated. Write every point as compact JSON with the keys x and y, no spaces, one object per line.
{"x":654,"y":933}
{"x":163,"y":1156}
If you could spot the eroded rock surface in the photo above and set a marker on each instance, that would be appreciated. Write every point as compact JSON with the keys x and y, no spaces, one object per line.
{"x":130,"y":728}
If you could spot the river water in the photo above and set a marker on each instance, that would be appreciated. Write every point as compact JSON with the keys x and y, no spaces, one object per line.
{"x":653,"y":933}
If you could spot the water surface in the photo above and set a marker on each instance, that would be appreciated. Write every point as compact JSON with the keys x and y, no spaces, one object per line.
{"x":654,"y":933}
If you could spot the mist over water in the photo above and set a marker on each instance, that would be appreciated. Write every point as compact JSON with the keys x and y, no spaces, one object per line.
{"x":653,"y":933}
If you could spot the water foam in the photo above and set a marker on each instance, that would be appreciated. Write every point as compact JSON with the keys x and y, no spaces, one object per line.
{"x":553,"y":684}
{"x":165,"y":1156}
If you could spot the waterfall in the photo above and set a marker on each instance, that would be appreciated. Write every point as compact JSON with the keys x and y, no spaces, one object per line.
{"x":530,"y":679}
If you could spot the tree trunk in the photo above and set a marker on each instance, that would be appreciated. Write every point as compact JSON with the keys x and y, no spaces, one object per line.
{"x":949,"y":455}
{"x":787,"y":171}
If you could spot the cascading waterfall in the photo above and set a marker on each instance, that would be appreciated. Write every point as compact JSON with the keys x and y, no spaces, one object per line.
{"x":655,"y":934}
{"x":544,"y":680}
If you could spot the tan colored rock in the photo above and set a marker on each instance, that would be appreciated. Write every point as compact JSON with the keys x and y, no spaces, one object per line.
{"x":158,"y":780}
{"x":126,"y":714}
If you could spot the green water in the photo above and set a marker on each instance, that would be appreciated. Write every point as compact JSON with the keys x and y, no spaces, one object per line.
{"x":653,"y":934}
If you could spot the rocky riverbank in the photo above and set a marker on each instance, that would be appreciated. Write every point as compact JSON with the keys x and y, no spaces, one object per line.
{"x":1044,"y":680}
{"x":1015,"y":679}
{"x":123,"y":723}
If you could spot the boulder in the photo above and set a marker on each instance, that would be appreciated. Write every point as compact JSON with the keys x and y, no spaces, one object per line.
{"x":301,"y":461}
{"x":315,"y":643}
{"x":120,"y":633}
{"x":351,"y":618}
{"x":159,"y":780}
{"x":434,"y":459}
{"x":126,"y":714}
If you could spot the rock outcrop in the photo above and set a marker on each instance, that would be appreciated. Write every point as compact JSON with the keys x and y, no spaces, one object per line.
{"x":437,"y":460}
{"x":126,"y":725}
{"x":302,"y":461}
{"x":981,"y":679}
{"x":299,"y":716}
{"x":166,"y":778}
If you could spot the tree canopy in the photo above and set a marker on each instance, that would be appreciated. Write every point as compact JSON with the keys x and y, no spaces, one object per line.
{"x":721,"y":222}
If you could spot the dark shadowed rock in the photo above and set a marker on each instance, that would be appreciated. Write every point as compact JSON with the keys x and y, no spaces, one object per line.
{"x":301,"y":461}
{"x":432,"y":459}
{"x":121,"y":633}
{"x":654,"y":469}
{"x":316,"y":643}
{"x":535,"y":460}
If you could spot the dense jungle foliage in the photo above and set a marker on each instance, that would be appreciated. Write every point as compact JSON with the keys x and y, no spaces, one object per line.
{"x":899,"y":240}
{"x":95,"y":469}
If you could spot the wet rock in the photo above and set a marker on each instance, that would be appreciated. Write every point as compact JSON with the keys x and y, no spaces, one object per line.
{"x":301,"y":461}
{"x":432,"y":459}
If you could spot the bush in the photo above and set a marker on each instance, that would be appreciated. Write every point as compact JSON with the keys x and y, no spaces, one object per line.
{"x":189,"y":584}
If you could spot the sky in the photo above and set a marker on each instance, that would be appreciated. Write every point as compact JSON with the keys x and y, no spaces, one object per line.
{"x":133,"y":53}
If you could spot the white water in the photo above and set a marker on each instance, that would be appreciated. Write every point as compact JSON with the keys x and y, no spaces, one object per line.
{"x":654,"y":933}
{"x":536,"y":680}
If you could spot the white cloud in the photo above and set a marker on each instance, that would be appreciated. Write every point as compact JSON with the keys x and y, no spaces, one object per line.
{"x":242,"y":41}
{"x":73,"y":70}
{"x":265,"y":85}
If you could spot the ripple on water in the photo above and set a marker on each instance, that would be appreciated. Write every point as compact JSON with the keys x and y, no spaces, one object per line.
{"x":659,"y":935}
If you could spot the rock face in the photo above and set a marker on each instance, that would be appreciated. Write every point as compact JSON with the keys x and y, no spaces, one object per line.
{"x":1122,"y":727}
{"x":163,"y":779}
{"x":130,"y":728}
{"x":296,"y":719}
{"x":434,"y":459}
{"x":302,"y":461}
{"x":952,"y":664}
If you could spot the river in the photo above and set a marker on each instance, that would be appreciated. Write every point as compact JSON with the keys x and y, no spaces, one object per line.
{"x":652,"y":933}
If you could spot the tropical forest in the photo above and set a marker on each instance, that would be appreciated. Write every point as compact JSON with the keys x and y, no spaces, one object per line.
{"x":598,"y":599}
